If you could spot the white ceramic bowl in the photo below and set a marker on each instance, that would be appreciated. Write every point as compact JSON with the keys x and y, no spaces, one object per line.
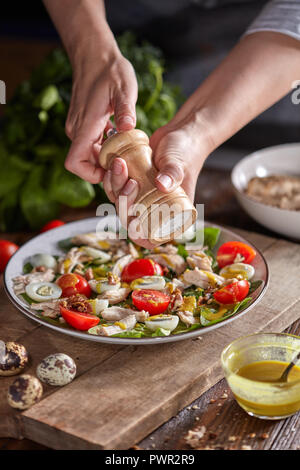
{"x":281,"y":160}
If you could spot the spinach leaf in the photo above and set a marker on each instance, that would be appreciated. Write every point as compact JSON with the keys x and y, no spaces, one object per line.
{"x":69,"y":189}
{"x":254,"y":285}
{"x":38,"y":208}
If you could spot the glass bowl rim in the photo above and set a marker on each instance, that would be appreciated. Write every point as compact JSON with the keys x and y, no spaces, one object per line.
{"x":228,"y":370}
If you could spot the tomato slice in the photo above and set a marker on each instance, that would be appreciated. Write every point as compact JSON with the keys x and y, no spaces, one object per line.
{"x":72,"y":284}
{"x":232,"y":293}
{"x":153,"y":301}
{"x":7,"y":249}
{"x":140,"y":268}
{"x":52,"y":224}
{"x":228,"y":252}
{"x":79,"y":320}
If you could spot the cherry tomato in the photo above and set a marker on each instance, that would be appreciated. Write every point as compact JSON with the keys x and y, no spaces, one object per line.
{"x":72,"y":284}
{"x":228,"y":252}
{"x":232,"y":293}
{"x":7,"y":249}
{"x":52,"y":224}
{"x":79,"y":320}
{"x":153,"y":301}
{"x":140,"y":268}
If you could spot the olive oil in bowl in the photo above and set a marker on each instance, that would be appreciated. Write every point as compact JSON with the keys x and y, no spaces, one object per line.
{"x":253,"y":366}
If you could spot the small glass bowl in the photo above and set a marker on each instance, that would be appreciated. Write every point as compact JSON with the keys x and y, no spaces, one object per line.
{"x":265,"y":400}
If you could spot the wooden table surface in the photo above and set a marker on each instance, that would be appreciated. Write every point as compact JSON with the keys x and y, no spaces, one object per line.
{"x":227,"y":426}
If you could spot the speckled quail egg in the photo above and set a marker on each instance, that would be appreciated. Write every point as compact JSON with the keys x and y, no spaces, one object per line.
{"x":24,"y":392}
{"x":13,"y":358}
{"x":57,"y":369}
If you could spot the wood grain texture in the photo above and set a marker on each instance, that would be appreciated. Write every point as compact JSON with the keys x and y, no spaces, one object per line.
{"x":133,"y":390}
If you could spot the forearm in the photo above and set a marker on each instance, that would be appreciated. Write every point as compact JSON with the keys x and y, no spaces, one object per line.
{"x":258,"y":72}
{"x":82,"y":27}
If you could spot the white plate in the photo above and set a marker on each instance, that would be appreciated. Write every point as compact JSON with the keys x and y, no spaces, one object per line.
{"x":47,"y":243}
{"x":278,"y":160}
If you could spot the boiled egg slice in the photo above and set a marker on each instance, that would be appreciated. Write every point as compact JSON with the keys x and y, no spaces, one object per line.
{"x":168,"y":322}
{"x":242,"y":270}
{"x":148,"y":282}
{"x":43,"y":291}
{"x":98,"y":256}
{"x":43,"y":259}
{"x":102,"y":285}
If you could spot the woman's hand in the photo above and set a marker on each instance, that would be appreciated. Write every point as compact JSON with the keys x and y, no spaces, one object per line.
{"x":104,"y":82}
{"x":102,"y":86}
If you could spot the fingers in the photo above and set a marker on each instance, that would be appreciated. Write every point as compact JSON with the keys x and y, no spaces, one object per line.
{"x":81,"y":162}
{"x":126,"y":199}
{"x":82,"y":157}
{"x":124,"y":105}
{"x":119,"y":175}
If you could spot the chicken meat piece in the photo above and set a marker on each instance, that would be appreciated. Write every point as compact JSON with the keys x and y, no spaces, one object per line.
{"x":121,"y":263}
{"x":187,"y":317}
{"x":173,"y":261}
{"x":106,"y":241}
{"x":124,"y":324}
{"x":174,"y":284}
{"x":198,"y":259}
{"x":176,"y":301}
{"x":20,"y":282}
{"x":281,"y":191}
{"x":203,"y":279}
{"x":168,"y":249}
{"x":49,"y":309}
{"x":74,"y":257}
{"x":116,"y":295}
{"x":117,"y":313}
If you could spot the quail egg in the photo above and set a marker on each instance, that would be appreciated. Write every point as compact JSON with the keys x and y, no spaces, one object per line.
{"x":24,"y":392}
{"x":149,"y":282}
{"x":13,"y":358}
{"x":245,"y":271}
{"x":98,"y":256}
{"x":57,"y":369}
{"x":102,"y":285}
{"x":43,"y":259}
{"x":167,"y":322}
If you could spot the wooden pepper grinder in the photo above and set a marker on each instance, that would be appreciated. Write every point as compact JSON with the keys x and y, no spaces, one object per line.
{"x":164,"y":216}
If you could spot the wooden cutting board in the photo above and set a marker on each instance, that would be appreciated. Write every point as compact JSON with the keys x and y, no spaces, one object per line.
{"x":122,"y":393}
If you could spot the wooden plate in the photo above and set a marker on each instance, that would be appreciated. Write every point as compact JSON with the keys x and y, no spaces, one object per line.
{"x":48,"y":243}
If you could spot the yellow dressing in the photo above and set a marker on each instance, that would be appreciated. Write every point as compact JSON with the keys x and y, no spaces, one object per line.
{"x":268,"y":373}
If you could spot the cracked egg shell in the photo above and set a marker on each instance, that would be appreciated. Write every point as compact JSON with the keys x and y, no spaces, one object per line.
{"x":24,"y":392}
{"x":13,"y":358}
{"x":57,"y":369}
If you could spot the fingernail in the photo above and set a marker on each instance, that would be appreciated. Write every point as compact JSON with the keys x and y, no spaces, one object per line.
{"x":129,"y":187}
{"x":117,"y":167}
{"x":165,"y":180}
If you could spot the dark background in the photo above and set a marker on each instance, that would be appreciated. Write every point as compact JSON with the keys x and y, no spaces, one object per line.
{"x":193,"y":37}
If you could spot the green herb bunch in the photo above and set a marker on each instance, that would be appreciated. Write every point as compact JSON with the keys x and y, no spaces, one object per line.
{"x":33,"y":143}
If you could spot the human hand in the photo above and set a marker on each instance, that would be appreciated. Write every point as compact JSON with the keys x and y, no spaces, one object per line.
{"x":104,"y":84}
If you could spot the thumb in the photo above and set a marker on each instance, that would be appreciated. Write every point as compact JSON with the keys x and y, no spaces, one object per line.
{"x":170,"y":164}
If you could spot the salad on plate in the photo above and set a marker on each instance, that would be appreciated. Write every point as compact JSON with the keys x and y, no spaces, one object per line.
{"x":107,"y":286}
